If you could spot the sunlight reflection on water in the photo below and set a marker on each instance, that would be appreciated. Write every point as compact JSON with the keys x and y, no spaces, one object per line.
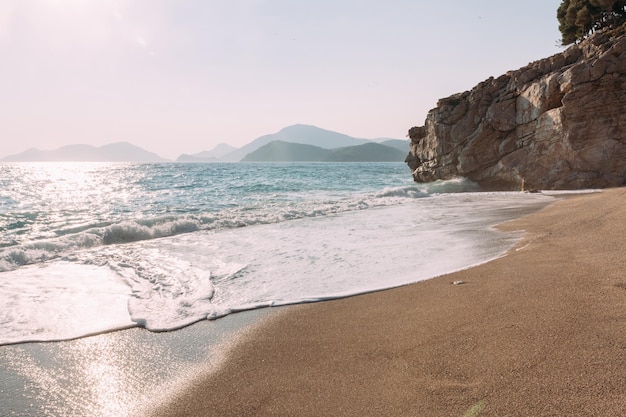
{"x":114,"y":374}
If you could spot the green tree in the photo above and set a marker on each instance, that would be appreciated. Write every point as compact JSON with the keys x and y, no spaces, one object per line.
{"x":579,"y":18}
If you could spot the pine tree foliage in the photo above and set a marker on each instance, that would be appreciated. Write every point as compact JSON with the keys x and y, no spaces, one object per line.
{"x":579,"y":18}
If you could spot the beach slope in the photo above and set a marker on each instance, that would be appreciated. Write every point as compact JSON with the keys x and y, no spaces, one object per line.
{"x":538,"y":332}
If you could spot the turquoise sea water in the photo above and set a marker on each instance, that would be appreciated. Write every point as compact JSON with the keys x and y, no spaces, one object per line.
{"x":92,"y":248}
{"x":89,"y":247}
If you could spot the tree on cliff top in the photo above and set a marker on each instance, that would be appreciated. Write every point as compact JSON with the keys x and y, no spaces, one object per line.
{"x":579,"y":18}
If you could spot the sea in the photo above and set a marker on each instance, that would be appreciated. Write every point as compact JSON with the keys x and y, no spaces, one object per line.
{"x":90,"y":249}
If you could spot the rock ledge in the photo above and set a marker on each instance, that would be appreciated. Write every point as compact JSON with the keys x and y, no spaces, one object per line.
{"x":558,"y":123}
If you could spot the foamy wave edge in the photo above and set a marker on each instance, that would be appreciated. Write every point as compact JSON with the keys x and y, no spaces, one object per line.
{"x":129,"y":231}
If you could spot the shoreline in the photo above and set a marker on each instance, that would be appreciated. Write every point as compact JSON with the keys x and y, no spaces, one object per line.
{"x":118,"y":373}
{"x":536,"y":332}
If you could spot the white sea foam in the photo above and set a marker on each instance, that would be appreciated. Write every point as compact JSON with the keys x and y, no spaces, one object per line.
{"x":128,"y":231}
{"x":61,"y":300}
{"x":164,"y":284}
{"x":89,"y":248}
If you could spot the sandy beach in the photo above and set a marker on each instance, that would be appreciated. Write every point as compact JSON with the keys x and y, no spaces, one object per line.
{"x":538,"y":332}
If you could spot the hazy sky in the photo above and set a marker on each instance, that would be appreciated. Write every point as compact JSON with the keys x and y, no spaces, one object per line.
{"x":180,"y":76}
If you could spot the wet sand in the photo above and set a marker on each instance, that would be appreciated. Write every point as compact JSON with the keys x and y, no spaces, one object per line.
{"x":538,"y":332}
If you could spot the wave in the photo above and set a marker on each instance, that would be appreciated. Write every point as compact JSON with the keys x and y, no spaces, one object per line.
{"x":170,"y":283}
{"x":124,"y":232}
{"x":455,"y":185}
{"x":128,"y":231}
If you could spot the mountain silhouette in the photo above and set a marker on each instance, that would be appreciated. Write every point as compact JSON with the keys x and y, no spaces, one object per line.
{"x":114,"y":152}
{"x":300,"y":134}
{"x":280,"y":151}
{"x":213,"y":155}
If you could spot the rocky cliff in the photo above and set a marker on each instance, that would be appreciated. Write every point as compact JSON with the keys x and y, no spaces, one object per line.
{"x":558,"y":123}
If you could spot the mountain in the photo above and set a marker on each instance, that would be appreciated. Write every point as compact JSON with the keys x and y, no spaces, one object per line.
{"x":213,"y":155}
{"x":280,"y":151}
{"x":403,"y":145}
{"x":368,"y":152}
{"x":302,"y":134}
{"x":127,"y":152}
{"x":115,"y":152}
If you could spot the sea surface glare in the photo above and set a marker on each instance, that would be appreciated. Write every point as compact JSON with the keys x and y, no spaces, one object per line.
{"x":87,"y":248}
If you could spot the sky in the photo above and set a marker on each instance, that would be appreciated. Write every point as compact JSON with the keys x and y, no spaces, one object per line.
{"x":181,"y":76}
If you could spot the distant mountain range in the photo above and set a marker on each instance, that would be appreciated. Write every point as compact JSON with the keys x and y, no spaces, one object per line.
{"x":280,"y":151}
{"x":114,"y":152}
{"x":214,"y":155}
{"x":303,"y":135}
{"x":319,"y":141}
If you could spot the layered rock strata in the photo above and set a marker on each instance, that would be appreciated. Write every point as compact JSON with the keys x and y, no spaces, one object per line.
{"x":558,"y":123}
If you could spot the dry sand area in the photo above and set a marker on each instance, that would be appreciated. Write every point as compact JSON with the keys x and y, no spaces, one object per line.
{"x":538,"y":332}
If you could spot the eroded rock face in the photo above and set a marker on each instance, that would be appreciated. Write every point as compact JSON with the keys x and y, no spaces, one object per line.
{"x":558,"y":123}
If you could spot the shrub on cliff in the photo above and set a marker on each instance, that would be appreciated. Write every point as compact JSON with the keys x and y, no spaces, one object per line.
{"x":579,"y":18}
